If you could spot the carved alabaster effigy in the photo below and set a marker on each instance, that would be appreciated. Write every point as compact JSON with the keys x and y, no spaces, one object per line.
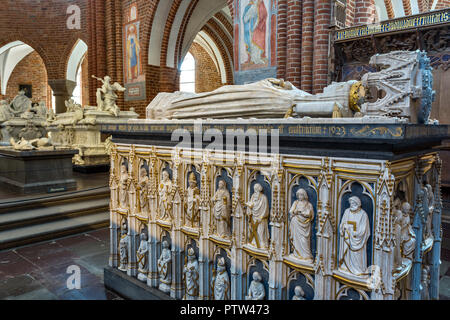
{"x":405,"y":78}
{"x":22,"y":119}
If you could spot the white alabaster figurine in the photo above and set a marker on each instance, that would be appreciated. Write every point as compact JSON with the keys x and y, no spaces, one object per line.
{"x":354,"y":231}
{"x":222,"y":210}
{"x":143,"y":190}
{"x":5,"y":111}
{"x":123,"y":186}
{"x":256,"y":291}
{"x":302,"y":215}
{"x":424,"y":284}
{"x":165,"y":268}
{"x":430,"y":198}
{"x":107,"y":97}
{"x":258,"y":214}
{"x":191,"y":276}
{"x":299,"y":294}
{"x":165,"y":190}
{"x":221,"y":281}
{"x":123,"y":249}
{"x":404,"y":236}
{"x":142,"y":257}
{"x":192,"y":202}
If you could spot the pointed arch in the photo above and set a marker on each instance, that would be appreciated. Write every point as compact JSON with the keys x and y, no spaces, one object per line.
{"x":76,"y":57}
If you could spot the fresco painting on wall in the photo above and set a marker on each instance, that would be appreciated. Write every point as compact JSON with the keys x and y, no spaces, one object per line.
{"x":255,"y":39}
{"x":134,"y":77}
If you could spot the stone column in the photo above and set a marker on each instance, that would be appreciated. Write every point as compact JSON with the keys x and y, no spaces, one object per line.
{"x":62,"y":90}
{"x":237,"y":262}
{"x":323,"y":282}
{"x":205,"y":222}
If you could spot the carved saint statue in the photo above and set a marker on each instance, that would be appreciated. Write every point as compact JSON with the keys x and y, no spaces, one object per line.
{"x":165,"y":268}
{"x":302,"y":215}
{"x":424,"y":283}
{"x":299,"y":294}
{"x":191,"y":276}
{"x":221,"y":281}
{"x":142,"y":257}
{"x":222,"y":210}
{"x":165,"y":191}
{"x":258,"y":215}
{"x":143,"y":190}
{"x":354,"y":231}
{"x":405,"y":237}
{"x":20,"y":104}
{"x":430,"y":197}
{"x":192,"y":202}
{"x":106,"y":96}
{"x":123,"y":248}
{"x":256,"y":291}
{"x":123,"y":186}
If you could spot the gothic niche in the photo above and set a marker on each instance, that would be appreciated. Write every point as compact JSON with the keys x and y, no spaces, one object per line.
{"x":354,"y":231}
{"x":191,"y":273}
{"x":302,"y":220}
{"x":192,"y":200}
{"x":220,"y":282}
{"x":165,"y":264}
{"x":258,"y":280}
{"x":221,"y":207}
{"x":258,"y":212}
{"x":300,"y":286}
{"x":142,"y":189}
{"x":142,"y":255}
{"x":124,"y":182}
{"x":166,"y":193}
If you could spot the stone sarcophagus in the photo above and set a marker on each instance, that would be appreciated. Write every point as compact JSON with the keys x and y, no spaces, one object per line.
{"x":298,"y":209}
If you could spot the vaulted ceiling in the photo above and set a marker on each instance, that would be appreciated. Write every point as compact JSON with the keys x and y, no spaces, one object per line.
{"x":391,"y":9}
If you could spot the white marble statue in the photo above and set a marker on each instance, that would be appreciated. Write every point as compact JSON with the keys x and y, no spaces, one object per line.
{"x":20,"y":104}
{"x":107,"y":97}
{"x":5,"y":111}
{"x":258,"y":216}
{"x":404,"y":235}
{"x":425,"y":283}
{"x":354,"y":231}
{"x":302,"y":215}
{"x":123,"y":249}
{"x":165,"y":268}
{"x":429,"y":223}
{"x":192,"y":202}
{"x":143,"y":190}
{"x":299,"y":294}
{"x":221,"y":281}
{"x":256,"y":291}
{"x":40,"y":109}
{"x":165,"y":195}
{"x":123,"y":186}
{"x":142,"y":257}
{"x":222,"y":210}
{"x":191,"y":276}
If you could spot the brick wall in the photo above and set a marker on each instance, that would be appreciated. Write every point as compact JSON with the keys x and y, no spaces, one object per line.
{"x":442,"y":4}
{"x":31,"y":70}
{"x":207,"y":77}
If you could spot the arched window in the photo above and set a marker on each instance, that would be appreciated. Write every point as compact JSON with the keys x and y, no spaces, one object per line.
{"x":76,"y":95}
{"x":187,"y":75}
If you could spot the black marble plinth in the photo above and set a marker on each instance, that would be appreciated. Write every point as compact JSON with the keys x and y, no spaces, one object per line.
{"x":131,"y":288}
{"x":37,"y":171}
{"x":91,"y":169}
{"x":371,"y":140}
